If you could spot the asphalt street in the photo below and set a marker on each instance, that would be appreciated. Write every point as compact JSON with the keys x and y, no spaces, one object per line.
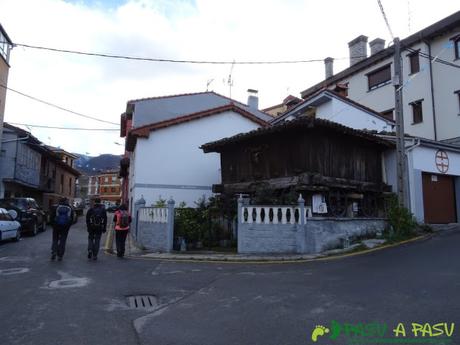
{"x":77,"y":301}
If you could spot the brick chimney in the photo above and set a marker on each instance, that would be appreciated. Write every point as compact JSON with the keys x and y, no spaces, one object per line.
{"x":329,"y":66}
{"x":358,"y":49}
{"x":377,"y":45}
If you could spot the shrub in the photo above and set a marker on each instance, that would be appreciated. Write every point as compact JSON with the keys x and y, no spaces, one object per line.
{"x":400,"y":219}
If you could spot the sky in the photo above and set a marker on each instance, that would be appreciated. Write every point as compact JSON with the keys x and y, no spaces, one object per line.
{"x":219,"y":30}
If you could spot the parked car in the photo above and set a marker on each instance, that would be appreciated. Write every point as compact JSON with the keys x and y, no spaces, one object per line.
{"x":30,"y":215}
{"x":112,"y":209}
{"x":10,"y":229}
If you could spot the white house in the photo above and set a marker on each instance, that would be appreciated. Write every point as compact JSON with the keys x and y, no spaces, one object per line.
{"x":163,"y":136}
{"x":330,"y":105}
{"x":431,"y":92}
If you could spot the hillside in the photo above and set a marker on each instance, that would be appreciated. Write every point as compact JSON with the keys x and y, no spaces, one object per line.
{"x":92,"y":165}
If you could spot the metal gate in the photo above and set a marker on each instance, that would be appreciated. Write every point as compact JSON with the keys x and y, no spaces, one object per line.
{"x":438,"y":199}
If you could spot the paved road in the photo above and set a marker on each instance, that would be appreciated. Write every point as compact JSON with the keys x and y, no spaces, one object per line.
{"x":77,"y":301}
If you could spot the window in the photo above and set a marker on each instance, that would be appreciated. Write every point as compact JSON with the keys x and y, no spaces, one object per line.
{"x":388,"y":114}
{"x":417,"y":113}
{"x":4,"y":47}
{"x":113,"y":190}
{"x":106,"y":179}
{"x":457,"y":93}
{"x":457,"y":47}
{"x":379,"y":77}
{"x":414,"y":63}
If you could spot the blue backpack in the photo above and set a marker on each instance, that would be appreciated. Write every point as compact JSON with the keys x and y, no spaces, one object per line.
{"x":63,"y":214}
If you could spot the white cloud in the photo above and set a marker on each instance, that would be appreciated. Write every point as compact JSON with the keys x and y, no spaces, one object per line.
{"x":201,"y":29}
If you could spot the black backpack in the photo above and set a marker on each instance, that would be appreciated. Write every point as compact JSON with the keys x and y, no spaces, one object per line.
{"x":96,"y":220}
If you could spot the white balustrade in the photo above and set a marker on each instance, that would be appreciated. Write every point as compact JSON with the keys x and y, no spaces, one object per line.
{"x":153,"y":215}
{"x":280,"y":214}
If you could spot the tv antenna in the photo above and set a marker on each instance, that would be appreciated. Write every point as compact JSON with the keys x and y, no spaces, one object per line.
{"x":208,"y":83}
{"x":230,"y":79}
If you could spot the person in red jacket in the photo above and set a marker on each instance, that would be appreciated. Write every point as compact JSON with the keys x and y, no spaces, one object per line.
{"x":122,"y":220}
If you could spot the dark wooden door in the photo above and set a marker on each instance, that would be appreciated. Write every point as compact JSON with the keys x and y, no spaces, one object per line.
{"x":438,"y":199}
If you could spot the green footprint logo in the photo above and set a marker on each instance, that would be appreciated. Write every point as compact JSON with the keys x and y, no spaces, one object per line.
{"x":318,"y":332}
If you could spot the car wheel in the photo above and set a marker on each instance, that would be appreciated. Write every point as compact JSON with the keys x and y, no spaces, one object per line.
{"x":34,"y":228}
{"x":18,"y":236}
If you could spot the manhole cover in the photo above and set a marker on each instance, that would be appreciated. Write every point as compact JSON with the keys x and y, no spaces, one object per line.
{"x":142,"y":302}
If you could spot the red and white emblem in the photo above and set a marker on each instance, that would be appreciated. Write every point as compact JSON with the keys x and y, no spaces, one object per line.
{"x":442,"y":161}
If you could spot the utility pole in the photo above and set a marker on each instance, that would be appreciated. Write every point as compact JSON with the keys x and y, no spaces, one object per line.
{"x":400,"y":143}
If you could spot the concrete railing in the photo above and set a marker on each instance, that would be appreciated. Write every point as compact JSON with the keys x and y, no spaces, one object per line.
{"x":153,"y":214}
{"x":292,"y":229}
{"x":154,"y":226}
{"x":274,"y":214}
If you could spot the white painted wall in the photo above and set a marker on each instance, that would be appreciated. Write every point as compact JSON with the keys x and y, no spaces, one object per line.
{"x":170,"y":163}
{"x":424,"y":158}
{"x":347,"y":115}
{"x":446,"y":80}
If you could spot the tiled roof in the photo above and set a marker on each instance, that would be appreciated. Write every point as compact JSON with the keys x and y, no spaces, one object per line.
{"x":338,"y":96}
{"x":158,"y":109}
{"x":305,"y":122}
{"x":144,"y":131}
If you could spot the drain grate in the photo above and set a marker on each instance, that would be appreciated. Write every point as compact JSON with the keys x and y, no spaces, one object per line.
{"x":142,"y":302}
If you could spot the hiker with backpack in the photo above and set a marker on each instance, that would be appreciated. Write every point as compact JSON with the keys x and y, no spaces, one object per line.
{"x":96,"y":223}
{"x":61,"y":222}
{"x":122,"y":220}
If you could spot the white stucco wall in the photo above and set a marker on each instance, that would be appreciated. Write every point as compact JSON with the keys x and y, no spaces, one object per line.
{"x":446,"y":80}
{"x":350,"y":116}
{"x":423,"y":159}
{"x":170,"y":163}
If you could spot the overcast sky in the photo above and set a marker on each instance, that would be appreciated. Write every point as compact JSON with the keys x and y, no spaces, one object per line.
{"x":179,"y":29}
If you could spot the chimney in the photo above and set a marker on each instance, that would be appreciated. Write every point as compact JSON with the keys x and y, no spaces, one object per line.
{"x":377,"y":45}
{"x":253,"y":99}
{"x":329,"y":65}
{"x":358,"y":49}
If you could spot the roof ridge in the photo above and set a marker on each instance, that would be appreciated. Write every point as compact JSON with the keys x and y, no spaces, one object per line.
{"x":169,"y":96}
{"x":183,"y":117}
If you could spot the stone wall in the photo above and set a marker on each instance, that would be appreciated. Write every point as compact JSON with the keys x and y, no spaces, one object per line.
{"x":154,"y":226}
{"x":153,"y":236}
{"x":286,"y":229}
{"x":266,"y":238}
{"x":329,"y":233}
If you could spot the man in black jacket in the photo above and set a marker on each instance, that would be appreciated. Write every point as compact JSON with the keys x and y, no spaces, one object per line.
{"x":96,"y":222}
{"x":62,"y":218}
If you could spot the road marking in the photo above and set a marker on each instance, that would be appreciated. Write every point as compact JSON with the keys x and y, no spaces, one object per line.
{"x":68,"y":281}
{"x":14,"y":259}
{"x":11,"y":271}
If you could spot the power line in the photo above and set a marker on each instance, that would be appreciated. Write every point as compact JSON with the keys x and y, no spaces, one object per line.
{"x":386,"y":19}
{"x":64,"y":128}
{"x":56,"y":106}
{"x":433,"y":58}
{"x":137,"y":58}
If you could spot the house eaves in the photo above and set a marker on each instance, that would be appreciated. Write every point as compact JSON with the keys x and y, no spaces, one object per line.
{"x":144,"y":131}
{"x":325,"y":95}
{"x":303,"y":122}
{"x":445,"y":25}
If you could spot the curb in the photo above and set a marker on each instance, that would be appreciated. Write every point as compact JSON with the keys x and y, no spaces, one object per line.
{"x":319,"y":257}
